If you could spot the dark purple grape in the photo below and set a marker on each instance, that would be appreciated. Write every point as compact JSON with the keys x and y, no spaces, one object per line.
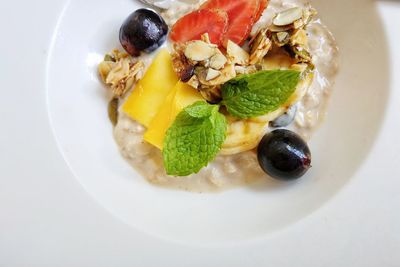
{"x":284,"y":155}
{"x":144,"y":30}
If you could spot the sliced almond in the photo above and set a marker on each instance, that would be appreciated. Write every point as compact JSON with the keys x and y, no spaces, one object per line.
{"x":260,"y":46}
{"x":104,"y":69}
{"x":288,"y":16}
{"x":123,"y":75}
{"x":274,"y":28}
{"x":212,"y":74}
{"x":199,"y":50}
{"x":136,"y":70}
{"x":227,"y":73}
{"x":118,"y":72}
{"x":218,"y":61}
{"x":236,"y":54}
{"x":194,"y":82}
{"x":282,"y":36}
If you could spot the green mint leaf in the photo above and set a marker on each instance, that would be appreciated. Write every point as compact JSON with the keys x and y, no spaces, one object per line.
{"x":201,"y":109}
{"x":253,"y":95}
{"x":194,"y":139}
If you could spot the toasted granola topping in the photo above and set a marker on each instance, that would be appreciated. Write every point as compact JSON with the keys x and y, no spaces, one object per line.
{"x":194,"y":82}
{"x":180,"y":63}
{"x":226,"y":74}
{"x":212,"y":74}
{"x":205,"y":67}
{"x":236,"y":54}
{"x":199,"y":51}
{"x":120,"y":72}
{"x":282,"y":36}
{"x":218,"y":61}
{"x":288,"y":16}
{"x":260,"y":46}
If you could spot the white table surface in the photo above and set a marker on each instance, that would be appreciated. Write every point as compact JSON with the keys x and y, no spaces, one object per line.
{"x":47,"y":219}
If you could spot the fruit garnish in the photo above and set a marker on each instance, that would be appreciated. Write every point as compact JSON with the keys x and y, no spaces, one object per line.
{"x":263,"y":6}
{"x":241,"y":14}
{"x":284,"y":155}
{"x":193,"y":25}
{"x":144,"y":30}
{"x":150,"y":92}
{"x":285,"y":119}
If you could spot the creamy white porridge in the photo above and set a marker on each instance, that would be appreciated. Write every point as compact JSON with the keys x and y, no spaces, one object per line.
{"x":243,"y":168}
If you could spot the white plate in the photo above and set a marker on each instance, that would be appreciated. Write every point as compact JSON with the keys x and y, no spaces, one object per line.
{"x":60,"y":159}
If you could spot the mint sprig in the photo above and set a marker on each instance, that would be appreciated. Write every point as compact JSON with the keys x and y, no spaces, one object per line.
{"x":253,"y":95}
{"x":197,"y":134}
{"x":194,"y":139}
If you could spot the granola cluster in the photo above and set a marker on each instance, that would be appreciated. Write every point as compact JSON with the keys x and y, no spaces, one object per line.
{"x":119,"y":72}
{"x":205,"y":66}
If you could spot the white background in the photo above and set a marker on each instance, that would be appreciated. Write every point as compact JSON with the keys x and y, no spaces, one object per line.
{"x":47,"y":219}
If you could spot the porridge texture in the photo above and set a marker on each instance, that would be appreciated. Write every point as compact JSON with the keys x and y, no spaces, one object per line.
{"x":227,"y":171}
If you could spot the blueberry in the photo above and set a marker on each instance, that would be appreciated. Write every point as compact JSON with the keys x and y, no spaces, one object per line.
{"x":284,"y":155}
{"x":144,"y":30}
{"x":285,"y":119}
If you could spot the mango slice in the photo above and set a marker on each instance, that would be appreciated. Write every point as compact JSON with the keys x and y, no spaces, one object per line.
{"x":181,"y":96}
{"x":161,"y":122}
{"x":150,"y":92}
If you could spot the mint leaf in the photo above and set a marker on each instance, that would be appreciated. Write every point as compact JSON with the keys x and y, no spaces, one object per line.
{"x":194,"y":139}
{"x":201,"y":109}
{"x":257,"y":94}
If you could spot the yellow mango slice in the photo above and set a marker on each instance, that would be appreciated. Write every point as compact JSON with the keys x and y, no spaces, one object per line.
{"x":150,"y":92}
{"x":161,"y":122}
{"x":185,"y":96}
{"x":180,"y":97}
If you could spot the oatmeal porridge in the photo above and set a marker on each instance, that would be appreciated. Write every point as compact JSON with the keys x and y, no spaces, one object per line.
{"x":236,"y":162}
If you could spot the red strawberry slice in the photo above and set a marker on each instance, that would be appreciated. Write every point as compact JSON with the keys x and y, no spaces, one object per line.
{"x":263,"y":6}
{"x":193,"y":25}
{"x":241,"y":15}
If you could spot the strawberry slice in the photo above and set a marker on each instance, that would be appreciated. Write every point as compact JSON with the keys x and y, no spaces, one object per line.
{"x":193,"y":25}
{"x":263,"y":6}
{"x":241,"y":15}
